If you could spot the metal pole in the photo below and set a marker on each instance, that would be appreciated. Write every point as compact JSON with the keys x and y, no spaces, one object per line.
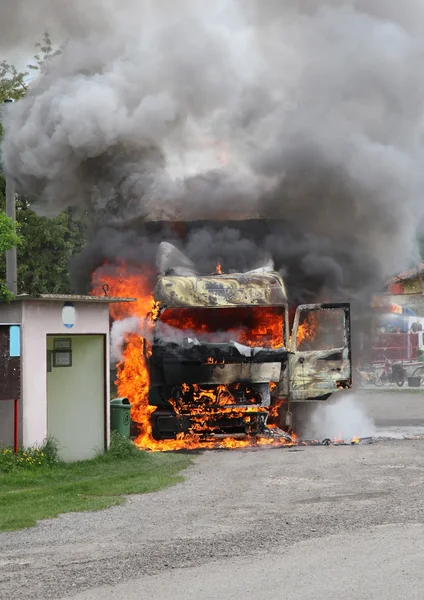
{"x":11,"y":255}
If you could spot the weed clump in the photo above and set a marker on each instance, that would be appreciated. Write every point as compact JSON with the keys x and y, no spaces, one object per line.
{"x":121,"y":447}
{"x":33,"y":457}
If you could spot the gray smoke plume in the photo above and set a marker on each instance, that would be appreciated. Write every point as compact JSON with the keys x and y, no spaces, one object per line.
{"x":22,"y":21}
{"x":344,"y":417}
{"x":304,"y":113}
{"x":118,"y":335}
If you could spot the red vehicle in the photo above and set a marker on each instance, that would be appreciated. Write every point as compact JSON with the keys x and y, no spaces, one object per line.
{"x":397,"y":347}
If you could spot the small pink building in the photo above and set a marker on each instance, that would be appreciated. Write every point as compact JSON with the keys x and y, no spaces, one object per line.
{"x":55,"y":354}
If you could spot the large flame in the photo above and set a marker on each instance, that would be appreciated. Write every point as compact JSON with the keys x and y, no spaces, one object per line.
{"x":265,"y":328}
{"x":256,"y":326}
{"x":132,"y":372}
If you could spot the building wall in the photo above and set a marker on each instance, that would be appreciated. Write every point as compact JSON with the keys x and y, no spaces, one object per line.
{"x":76,"y":399}
{"x":413,"y":286}
{"x":395,"y":288}
{"x":9,"y":385}
{"x":39,"y":319}
{"x":11,"y":313}
{"x":7,"y":420}
{"x":413,"y":301}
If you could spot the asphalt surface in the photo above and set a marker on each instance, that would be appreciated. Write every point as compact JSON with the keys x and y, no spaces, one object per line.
{"x":306,"y":522}
{"x":393,"y":409}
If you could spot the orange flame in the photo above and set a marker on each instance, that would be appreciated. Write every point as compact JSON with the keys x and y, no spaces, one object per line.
{"x":256,"y":326}
{"x":132,"y":371}
{"x":265,"y":327}
{"x":218,"y":269}
{"x":307,"y":330}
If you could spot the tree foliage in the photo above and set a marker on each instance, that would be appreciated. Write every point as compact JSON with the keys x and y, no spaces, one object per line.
{"x":14,"y":83}
{"x":45,"y":245}
{"x":46,"y":249}
{"x":44,"y":53}
{"x":9,"y":236}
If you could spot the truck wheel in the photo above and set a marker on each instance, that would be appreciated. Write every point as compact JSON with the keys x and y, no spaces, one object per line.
{"x":165,"y":425}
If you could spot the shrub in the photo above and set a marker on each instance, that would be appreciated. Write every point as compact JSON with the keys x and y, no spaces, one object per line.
{"x":121,"y":447}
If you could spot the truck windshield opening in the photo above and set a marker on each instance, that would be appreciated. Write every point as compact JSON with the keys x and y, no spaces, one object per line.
{"x":257,"y":326}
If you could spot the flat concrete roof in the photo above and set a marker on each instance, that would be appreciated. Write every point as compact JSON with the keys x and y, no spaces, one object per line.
{"x":72,"y":298}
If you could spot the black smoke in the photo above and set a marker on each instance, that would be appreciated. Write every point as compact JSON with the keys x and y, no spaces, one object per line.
{"x":300,"y":120}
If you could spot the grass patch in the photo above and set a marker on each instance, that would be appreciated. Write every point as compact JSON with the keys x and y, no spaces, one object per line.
{"x":30,"y":494}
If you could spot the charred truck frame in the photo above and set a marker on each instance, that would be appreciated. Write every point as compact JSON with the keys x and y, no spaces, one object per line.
{"x":223,"y":361}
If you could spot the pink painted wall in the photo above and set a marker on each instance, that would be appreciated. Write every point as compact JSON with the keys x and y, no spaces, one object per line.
{"x":40,"y":318}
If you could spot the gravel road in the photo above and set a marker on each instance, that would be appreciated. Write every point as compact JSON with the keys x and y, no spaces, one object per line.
{"x":302,"y":522}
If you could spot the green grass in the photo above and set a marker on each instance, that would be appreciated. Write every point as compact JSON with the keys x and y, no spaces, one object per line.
{"x":28,"y":495}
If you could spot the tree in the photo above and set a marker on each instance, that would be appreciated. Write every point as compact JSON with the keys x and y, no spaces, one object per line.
{"x":13,"y":83}
{"x":46,"y":249}
{"x":8,"y":233}
{"x":46,"y":245}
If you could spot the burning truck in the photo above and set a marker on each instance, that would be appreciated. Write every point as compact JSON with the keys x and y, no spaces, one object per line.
{"x":221,"y":359}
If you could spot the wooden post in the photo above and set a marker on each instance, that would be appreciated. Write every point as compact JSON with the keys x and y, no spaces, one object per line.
{"x":16,"y":426}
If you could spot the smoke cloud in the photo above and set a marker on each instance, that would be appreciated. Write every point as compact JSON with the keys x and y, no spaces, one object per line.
{"x":303,"y":113}
{"x":344,"y":418}
{"x":119,"y":332}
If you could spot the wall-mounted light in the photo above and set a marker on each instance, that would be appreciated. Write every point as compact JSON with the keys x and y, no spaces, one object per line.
{"x":68,"y":315}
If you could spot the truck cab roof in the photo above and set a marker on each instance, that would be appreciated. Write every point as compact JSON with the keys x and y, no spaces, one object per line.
{"x":255,"y":288}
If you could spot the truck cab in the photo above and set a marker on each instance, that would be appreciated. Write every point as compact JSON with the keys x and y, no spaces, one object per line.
{"x":223,"y":362}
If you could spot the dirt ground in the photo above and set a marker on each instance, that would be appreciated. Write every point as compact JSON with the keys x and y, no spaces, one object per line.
{"x":301,"y":522}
